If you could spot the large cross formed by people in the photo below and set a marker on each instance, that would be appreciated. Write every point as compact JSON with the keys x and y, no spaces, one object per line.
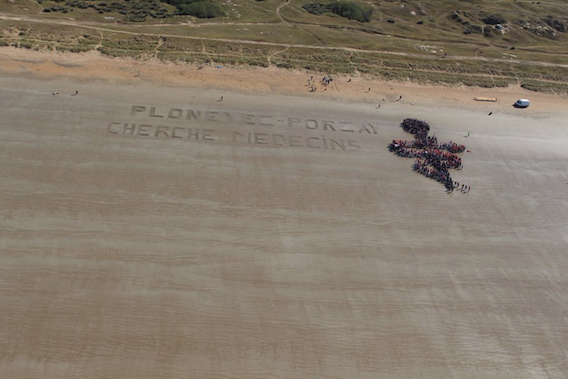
{"x":433,"y":159}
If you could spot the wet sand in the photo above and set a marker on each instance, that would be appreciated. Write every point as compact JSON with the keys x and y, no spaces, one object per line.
{"x":273,"y":235}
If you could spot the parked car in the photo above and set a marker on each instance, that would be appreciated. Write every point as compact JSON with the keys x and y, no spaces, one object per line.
{"x":522,"y":103}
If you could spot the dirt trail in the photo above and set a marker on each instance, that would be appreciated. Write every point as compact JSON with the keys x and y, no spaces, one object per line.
{"x":276,"y":53}
{"x":278,"y":11}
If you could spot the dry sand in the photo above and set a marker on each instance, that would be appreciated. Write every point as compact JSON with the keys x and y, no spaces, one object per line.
{"x":263,"y":249}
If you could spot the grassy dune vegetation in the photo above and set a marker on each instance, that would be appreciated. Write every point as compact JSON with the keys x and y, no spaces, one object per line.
{"x":472,"y":42}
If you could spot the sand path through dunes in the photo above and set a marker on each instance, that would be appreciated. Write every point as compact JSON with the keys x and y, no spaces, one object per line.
{"x":149,"y":230}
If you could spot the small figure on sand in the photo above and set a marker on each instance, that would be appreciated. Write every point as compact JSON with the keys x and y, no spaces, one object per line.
{"x":221,"y":99}
{"x":349,"y":80}
{"x":490,"y":113}
{"x":467,"y":135}
{"x":55,"y":93}
{"x":400,"y":98}
{"x":75,"y":94}
{"x":369,"y":90}
{"x":378,"y":106}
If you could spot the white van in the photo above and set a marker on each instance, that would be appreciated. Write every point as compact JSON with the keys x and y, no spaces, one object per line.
{"x":522,"y":103}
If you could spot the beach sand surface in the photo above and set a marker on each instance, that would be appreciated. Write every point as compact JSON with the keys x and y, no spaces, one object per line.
{"x":150,"y":230}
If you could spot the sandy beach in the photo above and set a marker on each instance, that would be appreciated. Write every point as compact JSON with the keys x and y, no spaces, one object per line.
{"x":55,"y":67}
{"x":174,"y":222}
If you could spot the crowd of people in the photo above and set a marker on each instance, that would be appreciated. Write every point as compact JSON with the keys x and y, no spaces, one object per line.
{"x":326,"y":81}
{"x":433,"y":160}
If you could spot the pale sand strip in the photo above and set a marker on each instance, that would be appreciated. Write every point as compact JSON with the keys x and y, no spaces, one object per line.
{"x":49,"y":65}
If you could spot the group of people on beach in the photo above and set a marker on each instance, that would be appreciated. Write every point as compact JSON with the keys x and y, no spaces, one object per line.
{"x":326,"y":80}
{"x":433,"y":159}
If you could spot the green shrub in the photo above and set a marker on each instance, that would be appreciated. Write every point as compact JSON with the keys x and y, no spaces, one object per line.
{"x":494,"y":19}
{"x":316,"y":8}
{"x":197,"y":8}
{"x":350,"y":10}
{"x":201,"y":9}
{"x":347,"y":9}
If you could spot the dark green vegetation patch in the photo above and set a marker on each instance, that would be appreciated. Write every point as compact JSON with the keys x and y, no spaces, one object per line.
{"x":197,"y":8}
{"x":347,"y":9}
{"x":138,"y":10}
